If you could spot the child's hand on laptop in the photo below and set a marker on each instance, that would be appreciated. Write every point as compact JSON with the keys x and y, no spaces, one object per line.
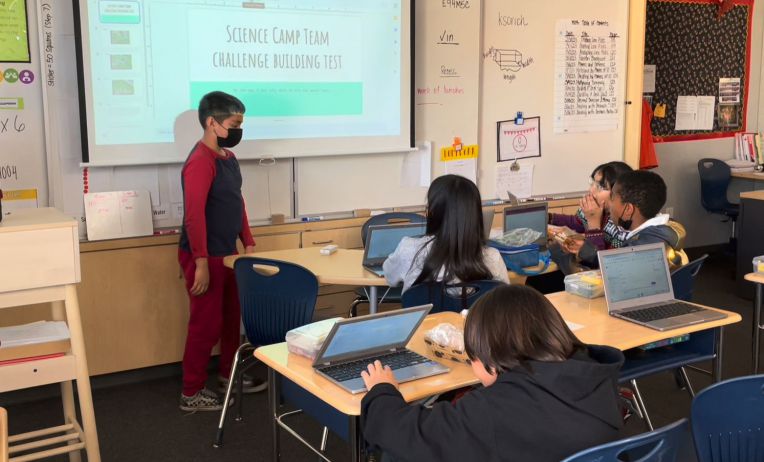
{"x":378,"y":374}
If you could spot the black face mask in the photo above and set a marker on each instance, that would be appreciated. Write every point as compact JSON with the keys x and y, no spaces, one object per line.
{"x":625,"y":224}
{"x":233,"y":138}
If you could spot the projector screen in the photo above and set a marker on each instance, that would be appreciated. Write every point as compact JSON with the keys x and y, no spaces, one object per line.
{"x":317,"y":77}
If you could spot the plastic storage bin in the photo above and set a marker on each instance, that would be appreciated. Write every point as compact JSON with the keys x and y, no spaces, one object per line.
{"x":758,"y":264}
{"x":307,"y":340}
{"x":586,"y":284}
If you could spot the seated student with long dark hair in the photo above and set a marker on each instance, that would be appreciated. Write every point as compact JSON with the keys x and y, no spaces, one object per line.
{"x":453,"y":248}
{"x":546,"y":395}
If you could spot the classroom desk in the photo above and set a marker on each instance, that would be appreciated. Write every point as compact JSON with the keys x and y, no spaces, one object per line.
{"x":343,"y":267}
{"x":755,"y":176}
{"x":750,"y":243}
{"x":758,"y":279}
{"x":597,"y":328}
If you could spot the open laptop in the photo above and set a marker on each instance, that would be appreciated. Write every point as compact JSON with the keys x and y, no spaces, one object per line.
{"x":488,"y":214}
{"x":382,"y":240}
{"x":638,"y":289}
{"x":354,"y":343}
{"x":534,"y":216}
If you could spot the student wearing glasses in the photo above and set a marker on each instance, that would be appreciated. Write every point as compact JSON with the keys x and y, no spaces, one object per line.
{"x":592,"y":220}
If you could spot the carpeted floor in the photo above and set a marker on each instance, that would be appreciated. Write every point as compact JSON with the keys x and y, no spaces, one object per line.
{"x":138,"y":417}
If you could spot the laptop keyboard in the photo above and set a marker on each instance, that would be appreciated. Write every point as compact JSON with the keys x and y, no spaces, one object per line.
{"x":666,"y":311}
{"x":353,"y":369}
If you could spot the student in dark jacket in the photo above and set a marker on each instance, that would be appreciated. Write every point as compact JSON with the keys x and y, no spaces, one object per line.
{"x":635,"y":202}
{"x":546,"y":395}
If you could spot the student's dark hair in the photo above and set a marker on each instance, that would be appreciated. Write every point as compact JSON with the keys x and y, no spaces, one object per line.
{"x":455,"y":225}
{"x":220,"y":106}
{"x":514,"y":324}
{"x":643,"y":189}
{"x":610,"y":172}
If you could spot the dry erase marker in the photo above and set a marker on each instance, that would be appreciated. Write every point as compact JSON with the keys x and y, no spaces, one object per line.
{"x":162,"y":232}
{"x":319,"y":218}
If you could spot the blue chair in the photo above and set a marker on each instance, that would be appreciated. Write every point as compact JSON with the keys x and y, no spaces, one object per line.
{"x":447,"y":297}
{"x":666,"y":444}
{"x":683,"y":278}
{"x":700,"y":346}
{"x":391,"y":294}
{"x":728,"y":421}
{"x":715,"y":176}
{"x":275,"y":298}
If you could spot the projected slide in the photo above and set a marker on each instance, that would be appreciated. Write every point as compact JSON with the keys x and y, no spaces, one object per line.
{"x":305,"y":69}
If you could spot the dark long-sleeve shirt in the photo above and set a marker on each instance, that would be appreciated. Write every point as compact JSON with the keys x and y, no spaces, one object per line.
{"x":214,"y":214}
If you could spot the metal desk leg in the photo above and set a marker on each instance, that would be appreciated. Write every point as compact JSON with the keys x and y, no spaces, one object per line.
{"x":273,"y":409}
{"x":356,"y":441}
{"x":373,"y":301}
{"x":757,"y":328}
{"x":717,"y":362}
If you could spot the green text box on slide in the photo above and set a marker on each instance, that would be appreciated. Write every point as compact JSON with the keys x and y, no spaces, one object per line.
{"x":289,"y":99}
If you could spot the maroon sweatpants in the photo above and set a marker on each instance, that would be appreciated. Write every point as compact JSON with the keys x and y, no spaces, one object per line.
{"x":215,"y":315}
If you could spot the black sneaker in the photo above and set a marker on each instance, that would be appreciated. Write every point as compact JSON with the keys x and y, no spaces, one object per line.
{"x":204,"y":400}
{"x":251,"y":384}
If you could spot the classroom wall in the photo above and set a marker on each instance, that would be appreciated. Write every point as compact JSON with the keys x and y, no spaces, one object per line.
{"x":678,"y":161}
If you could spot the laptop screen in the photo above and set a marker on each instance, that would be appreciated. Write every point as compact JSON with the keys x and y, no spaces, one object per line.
{"x":382,"y":241}
{"x":372,"y":334}
{"x":637,"y":274}
{"x":534,"y":217}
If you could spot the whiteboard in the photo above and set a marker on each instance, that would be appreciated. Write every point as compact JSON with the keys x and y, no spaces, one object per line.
{"x":528,"y":85}
{"x":459,"y":92}
{"x":446,"y":102}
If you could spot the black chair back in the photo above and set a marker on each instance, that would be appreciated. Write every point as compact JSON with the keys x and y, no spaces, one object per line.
{"x":715,"y":176}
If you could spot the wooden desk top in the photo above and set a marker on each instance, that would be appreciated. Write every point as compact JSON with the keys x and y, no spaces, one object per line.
{"x":300,"y":370}
{"x":757,"y":278}
{"x":597,"y":328}
{"x":602,"y":329}
{"x":343,"y":266}
{"x":31,"y":219}
{"x":757,"y":176}
{"x":755,"y":195}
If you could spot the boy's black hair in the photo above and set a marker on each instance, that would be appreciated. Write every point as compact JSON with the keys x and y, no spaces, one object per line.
{"x":610,"y":172}
{"x":643,"y":189}
{"x":219,"y":106}
{"x":514,"y":324}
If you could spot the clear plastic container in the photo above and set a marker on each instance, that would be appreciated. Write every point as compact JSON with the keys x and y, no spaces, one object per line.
{"x":585,"y":284}
{"x":307,"y":340}
{"x":758,"y":264}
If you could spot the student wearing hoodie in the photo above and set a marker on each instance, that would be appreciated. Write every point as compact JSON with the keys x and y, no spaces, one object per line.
{"x":545,"y":394}
{"x":635,"y":202}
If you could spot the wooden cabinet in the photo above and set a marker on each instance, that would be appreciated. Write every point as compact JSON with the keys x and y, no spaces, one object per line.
{"x":345,"y":238}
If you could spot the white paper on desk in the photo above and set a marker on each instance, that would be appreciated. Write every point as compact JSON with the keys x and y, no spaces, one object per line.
{"x":520,"y":182}
{"x":705,"y":119}
{"x":416,"y":166}
{"x":686,"y":113}
{"x":573,"y":326}
{"x":649,"y":79}
{"x":36,"y":332}
{"x":138,"y":177}
{"x":464,"y":167}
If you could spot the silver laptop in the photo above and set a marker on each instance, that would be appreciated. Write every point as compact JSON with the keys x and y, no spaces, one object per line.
{"x":533,"y":215}
{"x":382,"y":240}
{"x":638,"y":289}
{"x":513,"y":200}
{"x":488,"y":214}
{"x":354,"y":343}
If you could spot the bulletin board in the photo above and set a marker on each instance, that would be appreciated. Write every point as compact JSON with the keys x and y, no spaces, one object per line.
{"x":694,"y":43}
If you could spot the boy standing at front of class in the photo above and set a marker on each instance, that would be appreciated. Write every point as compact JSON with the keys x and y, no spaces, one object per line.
{"x":214,"y":216}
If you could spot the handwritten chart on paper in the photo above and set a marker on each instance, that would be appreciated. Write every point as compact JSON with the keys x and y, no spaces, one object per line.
{"x":587,"y":57}
{"x":118,"y":214}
